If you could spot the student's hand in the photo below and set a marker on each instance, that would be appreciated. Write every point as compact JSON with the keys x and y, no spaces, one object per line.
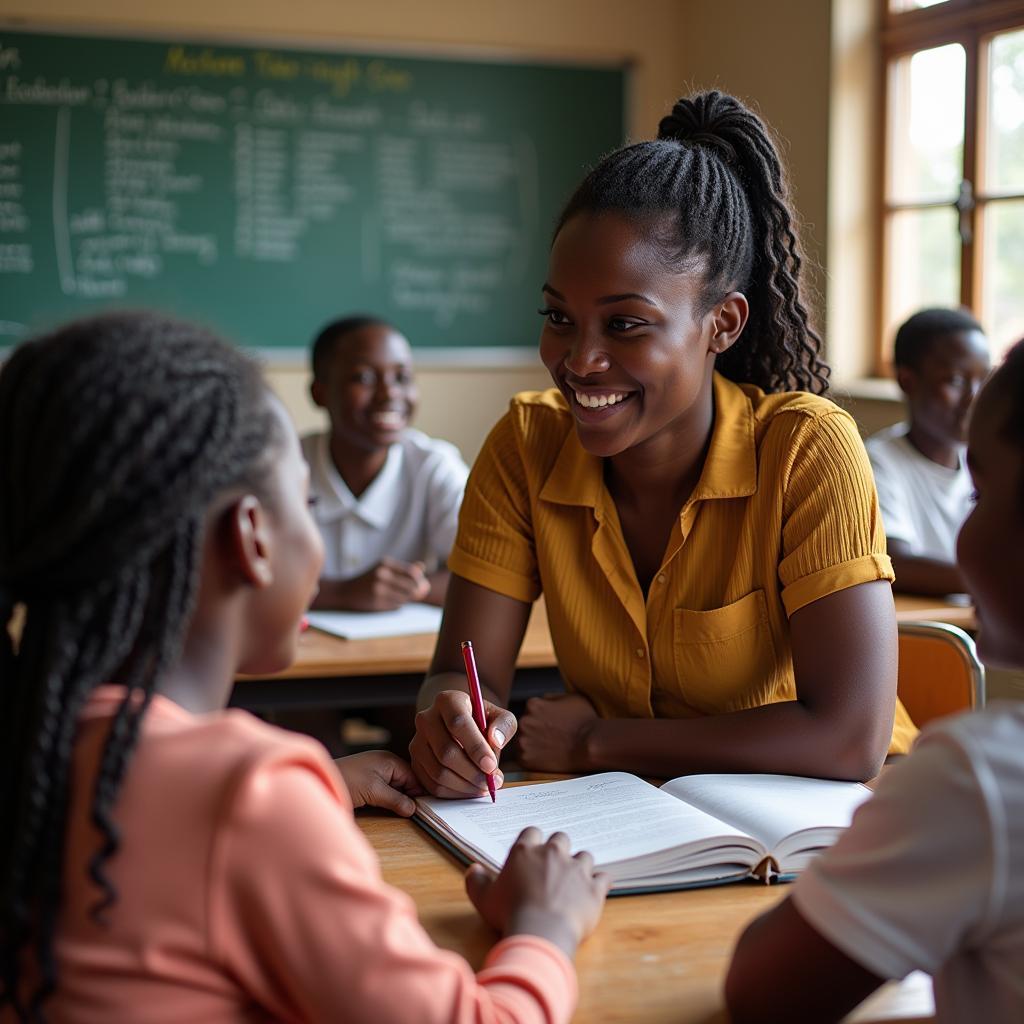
{"x":378,"y":778}
{"x":541,"y":890}
{"x":450,"y":756}
{"x":385,"y":587}
{"x":553,"y":733}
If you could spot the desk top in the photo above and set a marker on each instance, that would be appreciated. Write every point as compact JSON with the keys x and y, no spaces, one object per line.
{"x":321,"y":655}
{"x":657,"y":958}
{"x":912,"y":608}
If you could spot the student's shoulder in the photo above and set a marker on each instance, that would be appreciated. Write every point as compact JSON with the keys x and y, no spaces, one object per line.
{"x":311,"y":444}
{"x":887,"y":444}
{"x":422,"y":449}
{"x":235,"y":751}
{"x":990,"y":740}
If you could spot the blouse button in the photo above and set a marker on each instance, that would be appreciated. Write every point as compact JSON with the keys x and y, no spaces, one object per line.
{"x":661,"y":577}
{"x":639,"y":652}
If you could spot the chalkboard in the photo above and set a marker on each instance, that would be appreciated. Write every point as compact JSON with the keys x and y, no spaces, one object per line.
{"x":265,"y":190}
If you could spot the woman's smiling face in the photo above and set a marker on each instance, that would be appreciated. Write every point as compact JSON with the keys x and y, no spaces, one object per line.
{"x":625,"y":338}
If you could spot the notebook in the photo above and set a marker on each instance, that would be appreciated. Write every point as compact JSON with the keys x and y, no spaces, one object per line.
{"x":405,"y":621}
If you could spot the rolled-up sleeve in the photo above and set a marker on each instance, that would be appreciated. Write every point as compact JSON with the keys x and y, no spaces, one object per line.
{"x":832,"y":534}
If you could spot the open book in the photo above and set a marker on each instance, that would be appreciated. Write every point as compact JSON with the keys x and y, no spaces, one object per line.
{"x":695,"y":830}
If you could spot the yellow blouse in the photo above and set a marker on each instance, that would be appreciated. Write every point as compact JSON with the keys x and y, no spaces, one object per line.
{"x":784,"y":513}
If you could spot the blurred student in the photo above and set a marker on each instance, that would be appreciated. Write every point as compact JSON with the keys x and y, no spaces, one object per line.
{"x":386,"y":496}
{"x":162,"y":858}
{"x":924,"y":489}
{"x":930,"y":875}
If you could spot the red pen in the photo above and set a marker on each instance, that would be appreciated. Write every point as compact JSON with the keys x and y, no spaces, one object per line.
{"x":478,"y":701}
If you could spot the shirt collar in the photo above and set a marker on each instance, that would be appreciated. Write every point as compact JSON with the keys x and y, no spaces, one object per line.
{"x":378,"y":504}
{"x":730,"y":469}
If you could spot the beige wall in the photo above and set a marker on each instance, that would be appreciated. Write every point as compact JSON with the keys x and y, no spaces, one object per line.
{"x":776,"y":55}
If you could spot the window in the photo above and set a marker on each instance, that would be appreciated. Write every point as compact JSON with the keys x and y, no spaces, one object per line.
{"x":953,"y":188}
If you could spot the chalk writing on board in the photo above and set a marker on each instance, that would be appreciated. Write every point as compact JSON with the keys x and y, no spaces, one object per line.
{"x":244,"y":182}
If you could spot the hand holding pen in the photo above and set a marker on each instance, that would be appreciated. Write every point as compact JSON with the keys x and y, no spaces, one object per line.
{"x":451,"y":752}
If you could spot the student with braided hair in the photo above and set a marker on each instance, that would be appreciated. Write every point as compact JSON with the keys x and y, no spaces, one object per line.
{"x":702,"y":524}
{"x":162,"y":858}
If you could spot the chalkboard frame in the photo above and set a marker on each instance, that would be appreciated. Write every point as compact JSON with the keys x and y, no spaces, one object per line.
{"x":437,"y":356}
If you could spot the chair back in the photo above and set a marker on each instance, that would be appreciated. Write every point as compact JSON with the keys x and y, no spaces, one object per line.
{"x":939,"y":671}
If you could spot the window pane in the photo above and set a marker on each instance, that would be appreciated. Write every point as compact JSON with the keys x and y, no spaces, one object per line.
{"x":911,"y":5}
{"x":926,"y":122}
{"x":923,"y":262}
{"x":1004,"y":164}
{"x":1003,"y":282}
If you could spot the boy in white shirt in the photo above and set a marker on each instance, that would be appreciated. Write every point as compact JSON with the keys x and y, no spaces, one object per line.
{"x":930,"y":875}
{"x":386,"y":496}
{"x":924,"y":489}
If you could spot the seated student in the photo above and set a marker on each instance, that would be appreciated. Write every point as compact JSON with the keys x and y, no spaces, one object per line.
{"x":162,"y":858}
{"x":387,"y":496}
{"x":930,"y":875}
{"x":924,"y":489}
{"x":703,"y":526}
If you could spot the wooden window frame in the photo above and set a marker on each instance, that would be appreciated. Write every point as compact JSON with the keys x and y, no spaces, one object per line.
{"x":972,"y":23}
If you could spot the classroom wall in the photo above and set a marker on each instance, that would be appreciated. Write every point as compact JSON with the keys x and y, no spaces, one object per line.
{"x":460,"y":403}
{"x":777,"y":55}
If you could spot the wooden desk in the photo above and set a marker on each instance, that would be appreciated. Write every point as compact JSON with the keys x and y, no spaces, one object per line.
{"x":387,"y":671}
{"x":658,"y":958}
{"x":384,"y":671}
{"x":912,"y":608}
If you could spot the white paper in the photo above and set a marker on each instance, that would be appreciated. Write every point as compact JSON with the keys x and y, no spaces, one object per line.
{"x":408,"y":620}
{"x":614,"y":816}
{"x":772,"y":807}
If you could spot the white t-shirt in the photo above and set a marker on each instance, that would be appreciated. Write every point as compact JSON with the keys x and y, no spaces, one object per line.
{"x":930,"y":875}
{"x":923,"y":504}
{"x":410,"y":511}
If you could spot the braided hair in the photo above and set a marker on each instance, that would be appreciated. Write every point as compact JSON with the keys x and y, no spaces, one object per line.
{"x":713,"y":187}
{"x":115,"y":435}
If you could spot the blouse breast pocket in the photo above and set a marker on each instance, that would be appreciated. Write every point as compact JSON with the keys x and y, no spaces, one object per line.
{"x":724,"y":657}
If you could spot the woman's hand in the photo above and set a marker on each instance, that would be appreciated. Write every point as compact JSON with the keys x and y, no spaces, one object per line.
{"x":450,"y":756}
{"x":541,"y":890}
{"x":378,"y":778}
{"x":553,"y":733}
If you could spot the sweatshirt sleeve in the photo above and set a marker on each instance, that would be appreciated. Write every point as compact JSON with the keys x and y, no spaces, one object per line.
{"x":299,"y":913}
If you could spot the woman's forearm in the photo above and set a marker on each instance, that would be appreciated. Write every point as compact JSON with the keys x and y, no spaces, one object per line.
{"x":433,"y":685}
{"x":785,"y":738}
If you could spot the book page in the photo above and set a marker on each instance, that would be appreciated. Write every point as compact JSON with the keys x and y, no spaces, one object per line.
{"x":772,"y":807}
{"x":405,"y":621}
{"x":614,"y":815}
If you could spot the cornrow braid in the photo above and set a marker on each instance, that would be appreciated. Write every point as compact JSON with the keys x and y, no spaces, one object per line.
{"x":712,"y":187}
{"x":115,"y":435}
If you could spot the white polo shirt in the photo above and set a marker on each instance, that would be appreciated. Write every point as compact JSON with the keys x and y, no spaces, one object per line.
{"x":930,"y":875}
{"x":923,"y":504}
{"x":410,"y":511}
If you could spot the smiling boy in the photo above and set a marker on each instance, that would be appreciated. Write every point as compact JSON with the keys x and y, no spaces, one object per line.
{"x":924,"y":489}
{"x":386,"y":496}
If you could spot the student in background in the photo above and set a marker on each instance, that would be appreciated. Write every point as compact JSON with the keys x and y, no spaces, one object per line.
{"x":387,"y":496}
{"x":702,"y":523}
{"x":162,"y":858}
{"x":930,"y":875}
{"x":924,"y":489}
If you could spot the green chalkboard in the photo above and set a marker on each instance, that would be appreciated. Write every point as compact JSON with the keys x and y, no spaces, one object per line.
{"x":265,"y":190}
